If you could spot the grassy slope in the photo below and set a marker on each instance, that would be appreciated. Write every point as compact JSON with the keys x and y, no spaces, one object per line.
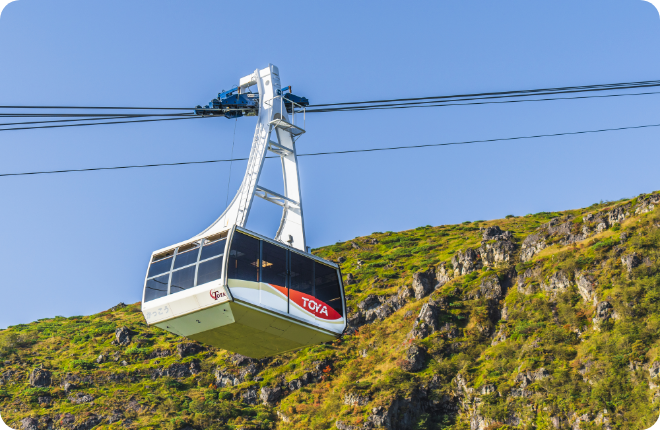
{"x":540,"y":333}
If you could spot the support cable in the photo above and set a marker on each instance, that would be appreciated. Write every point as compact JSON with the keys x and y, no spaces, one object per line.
{"x":103,"y":123}
{"x":340,"y":152}
{"x":427,"y":104}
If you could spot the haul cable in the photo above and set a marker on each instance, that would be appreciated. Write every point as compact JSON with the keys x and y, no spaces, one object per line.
{"x":353,"y":151}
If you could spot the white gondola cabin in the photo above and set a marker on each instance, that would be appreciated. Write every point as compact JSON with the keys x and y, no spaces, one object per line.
{"x":245,"y":293}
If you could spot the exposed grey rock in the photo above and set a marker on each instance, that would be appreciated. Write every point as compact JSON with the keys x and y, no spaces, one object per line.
{"x":355,"y":319}
{"x":282,"y":417}
{"x":557,"y":283}
{"x":343,"y":426}
{"x":442,"y":275}
{"x":585,"y":285}
{"x":68,"y":386}
{"x":178,"y":370}
{"x":124,"y":363}
{"x":423,"y":283}
{"x":496,"y":253}
{"x":296,"y":384}
{"x":241,"y":360}
{"x":499,"y":337}
{"x":40,"y":378}
{"x":528,"y":280}
{"x":380,"y":417}
{"x":618,"y":214}
{"x":159,"y":353}
{"x":88,"y":423}
{"x":29,"y":423}
{"x":494,"y":232}
{"x":415,"y":357}
{"x":491,"y":288}
{"x":465,"y":262}
{"x":354,"y":399}
{"x":646,"y":203}
{"x":67,"y":419}
{"x":497,"y":246}
{"x":121,"y":305}
{"x":604,"y":311}
{"x":122,"y":336}
{"x":80,"y":398}
{"x":187,"y":349}
{"x":586,"y":418}
{"x":250,"y":396}
{"x":115,"y":416}
{"x":654,"y":369}
{"x":370,"y":302}
{"x":532,"y":245}
{"x":350,"y":279}
{"x":555,"y":227}
{"x":270,"y":395}
{"x":451,"y":331}
{"x":44,"y":400}
{"x":100,"y":359}
{"x":225,"y":379}
{"x":631,"y":261}
{"x":426,"y":323}
{"x":405,"y":292}
{"x":341,"y":260}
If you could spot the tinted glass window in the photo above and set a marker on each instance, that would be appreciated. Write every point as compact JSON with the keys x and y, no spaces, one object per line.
{"x":156,"y":288}
{"x":212,"y":249}
{"x":183,"y":279}
{"x":186,"y":257}
{"x":209,"y":271}
{"x":273,"y":264}
{"x":159,"y":267}
{"x":327,"y":286}
{"x":302,"y":274}
{"x":244,"y":258}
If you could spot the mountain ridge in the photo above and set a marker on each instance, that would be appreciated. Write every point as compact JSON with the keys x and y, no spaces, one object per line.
{"x":545,"y":321}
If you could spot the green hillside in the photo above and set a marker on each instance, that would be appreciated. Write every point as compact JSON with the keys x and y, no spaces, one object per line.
{"x":546,"y":321}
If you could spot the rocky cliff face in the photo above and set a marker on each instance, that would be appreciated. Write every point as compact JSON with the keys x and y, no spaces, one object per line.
{"x":547,"y":321}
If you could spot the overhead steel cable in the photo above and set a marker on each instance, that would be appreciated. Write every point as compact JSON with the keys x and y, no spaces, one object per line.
{"x":429,"y":104}
{"x":71,"y":120}
{"x":103,"y":123}
{"x":79,"y":120}
{"x":95,"y":107}
{"x":78,"y":115}
{"x":350,"y":151}
{"x":514,"y":93}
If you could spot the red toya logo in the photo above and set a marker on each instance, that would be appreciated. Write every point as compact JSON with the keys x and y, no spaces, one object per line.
{"x":215,"y":294}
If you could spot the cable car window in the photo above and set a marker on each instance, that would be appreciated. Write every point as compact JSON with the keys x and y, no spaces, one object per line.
{"x":187,"y":255}
{"x":213,"y":249}
{"x":273,"y":264}
{"x":302,"y":274}
{"x":244,"y":258}
{"x":160,"y":265}
{"x":183,"y":279}
{"x":209,"y":271}
{"x":156,"y":288}
{"x":327,"y":287}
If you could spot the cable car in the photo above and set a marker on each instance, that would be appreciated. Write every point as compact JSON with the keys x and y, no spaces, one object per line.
{"x":235,"y":289}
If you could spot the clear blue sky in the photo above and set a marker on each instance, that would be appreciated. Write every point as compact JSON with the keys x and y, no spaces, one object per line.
{"x":79,"y":243}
